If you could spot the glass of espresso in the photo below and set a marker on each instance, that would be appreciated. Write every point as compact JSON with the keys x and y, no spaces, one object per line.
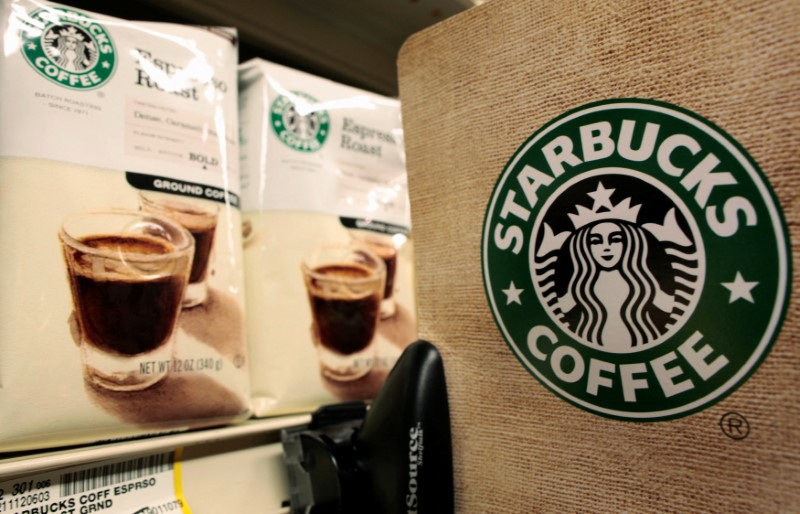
{"x":199,"y":217}
{"x":127,"y":272}
{"x":345,"y":285}
{"x":382,"y":245}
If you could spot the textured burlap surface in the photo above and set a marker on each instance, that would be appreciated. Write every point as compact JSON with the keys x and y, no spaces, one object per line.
{"x":475,"y":87}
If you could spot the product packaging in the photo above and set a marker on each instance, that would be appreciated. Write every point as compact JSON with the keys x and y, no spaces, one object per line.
{"x":604,"y":203}
{"x":328,"y":253}
{"x":121,"y":295}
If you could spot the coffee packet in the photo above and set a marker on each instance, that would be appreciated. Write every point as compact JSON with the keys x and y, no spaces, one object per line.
{"x":121,"y":299}
{"x":604,"y":202}
{"x":328,"y":254}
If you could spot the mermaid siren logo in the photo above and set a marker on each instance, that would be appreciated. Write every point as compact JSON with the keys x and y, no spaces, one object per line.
{"x":635,"y":260}
{"x":613,"y":281}
{"x":67,"y":47}
{"x":71,"y":48}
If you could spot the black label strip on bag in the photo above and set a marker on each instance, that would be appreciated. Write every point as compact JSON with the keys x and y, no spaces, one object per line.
{"x":373,"y":225}
{"x":181,"y":187}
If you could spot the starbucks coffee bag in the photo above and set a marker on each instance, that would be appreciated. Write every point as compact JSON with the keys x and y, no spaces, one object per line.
{"x":328,"y":255}
{"x":121,"y":295}
{"x":604,"y":202}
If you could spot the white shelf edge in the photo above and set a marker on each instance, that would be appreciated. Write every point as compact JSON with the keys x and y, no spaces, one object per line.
{"x":19,"y":465}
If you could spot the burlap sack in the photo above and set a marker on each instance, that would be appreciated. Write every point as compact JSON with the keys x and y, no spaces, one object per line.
{"x":473,"y":89}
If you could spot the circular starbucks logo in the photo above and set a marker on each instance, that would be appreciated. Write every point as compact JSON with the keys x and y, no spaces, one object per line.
{"x":298,"y":122}
{"x":69,"y":48}
{"x":635,"y":260}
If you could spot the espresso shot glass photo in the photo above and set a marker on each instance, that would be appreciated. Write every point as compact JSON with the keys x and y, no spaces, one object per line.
{"x":199,"y":217}
{"x":345,"y":285}
{"x":127,"y":272}
{"x":384,"y":246}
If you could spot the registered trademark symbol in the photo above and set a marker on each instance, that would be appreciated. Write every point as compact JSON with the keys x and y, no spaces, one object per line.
{"x":100,"y":94}
{"x":734,"y":425}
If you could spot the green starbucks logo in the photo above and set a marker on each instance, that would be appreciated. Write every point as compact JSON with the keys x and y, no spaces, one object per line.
{"x":68,"y":48}
{"x":636,"y":260}
{"x":299,"y":123}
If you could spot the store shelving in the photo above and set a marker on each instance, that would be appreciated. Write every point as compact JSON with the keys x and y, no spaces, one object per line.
{"x":235,"y":468}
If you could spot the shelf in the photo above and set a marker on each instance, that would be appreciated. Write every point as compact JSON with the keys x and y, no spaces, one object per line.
{"x":227,"y":469}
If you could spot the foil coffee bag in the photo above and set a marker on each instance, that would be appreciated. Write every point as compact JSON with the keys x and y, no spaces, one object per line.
{"x":328,"y":253}
{"x":604,"y":202}
{"x":121,"y":295}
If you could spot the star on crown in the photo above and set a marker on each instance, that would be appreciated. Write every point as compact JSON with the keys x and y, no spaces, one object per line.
{"x":69,"y":32}
{"x":604,"y":209}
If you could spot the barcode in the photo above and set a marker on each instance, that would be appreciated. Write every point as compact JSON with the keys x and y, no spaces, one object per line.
{"x":84,"y":480}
